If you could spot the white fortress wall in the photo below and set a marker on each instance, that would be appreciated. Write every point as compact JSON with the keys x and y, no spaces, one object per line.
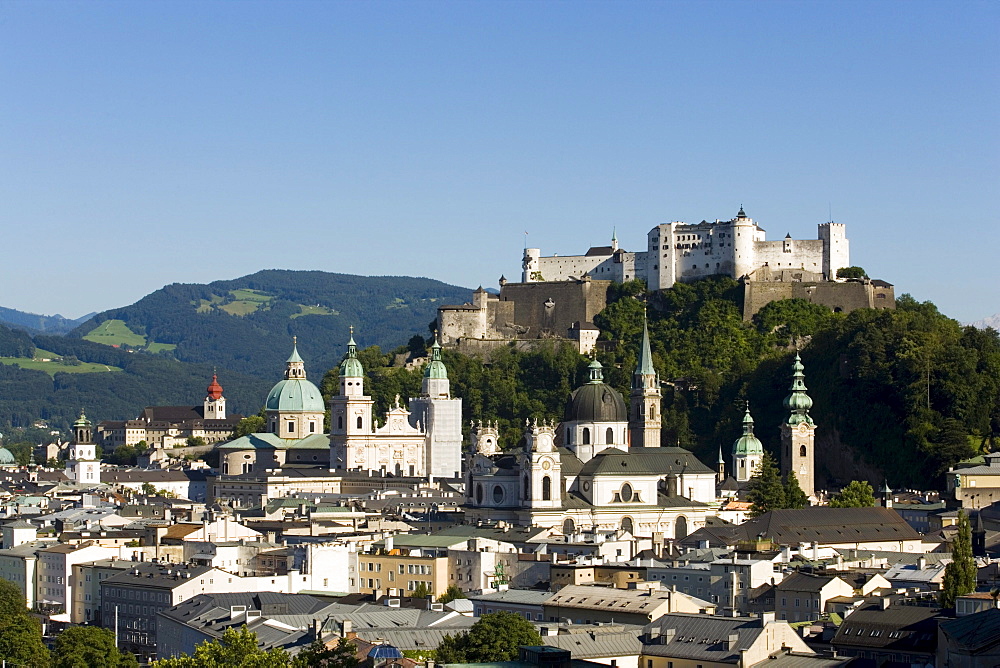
{"x":790,"y":253}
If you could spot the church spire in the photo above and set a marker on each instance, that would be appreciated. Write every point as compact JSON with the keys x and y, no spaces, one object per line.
{"x":798,"y":402}
{"x":351,"y":366}
{"x":295,"y":367}
{"x":644,"y":366}
{"x":644,"y":399}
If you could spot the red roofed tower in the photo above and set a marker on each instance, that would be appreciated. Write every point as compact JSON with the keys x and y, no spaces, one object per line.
{"x":215,"y":403}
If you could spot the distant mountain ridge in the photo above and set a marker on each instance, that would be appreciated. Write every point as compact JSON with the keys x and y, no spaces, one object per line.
{"x":989,"y":321}
{"x":247,"y":324}
{"x":35,"y":323}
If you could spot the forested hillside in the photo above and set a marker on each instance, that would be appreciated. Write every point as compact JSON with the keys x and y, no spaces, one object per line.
{"x":899,"y":395}
{"x":34,"y":323}
{"x":247,"y":324}
{"x":133,"y":381}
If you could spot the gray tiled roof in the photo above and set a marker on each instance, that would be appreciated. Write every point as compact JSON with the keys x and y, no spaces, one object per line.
{"x":829,"y":525}
{"x":907,"y":628}
{"x":644,"y":461}
{"x":514,"y":597}
{"x":702,"y":637}
{"x":975,"y":631}
{"x":593,"y":644}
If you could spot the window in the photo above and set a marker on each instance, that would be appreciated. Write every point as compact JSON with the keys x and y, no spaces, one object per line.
{"x":547,"y":487}
{"x":291,"y":427}
{"x":586,"y":435}
{"x":802,"y":451}
{"x":340,"y":422}
{"x":359,"y":422}
{"x":610,"y":437}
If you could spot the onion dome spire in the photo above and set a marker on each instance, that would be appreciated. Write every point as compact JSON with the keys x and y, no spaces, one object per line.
{"x":748,"y":444}
{"x":214,"y":390}
{"x":798,"y":402}
{"x":351,"y":366}
{"x":436,"y":369}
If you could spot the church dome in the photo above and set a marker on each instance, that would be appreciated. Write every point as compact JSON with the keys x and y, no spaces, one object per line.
{"x":6,"y":457}
{"x":748,"y":444}
{"x":596,"y":401}
{"x":295,"y":395}
{"x":436,"y":368}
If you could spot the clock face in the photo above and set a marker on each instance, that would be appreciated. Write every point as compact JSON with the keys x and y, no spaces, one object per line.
{"x":546,"y":464}
{"x":803,"y":428}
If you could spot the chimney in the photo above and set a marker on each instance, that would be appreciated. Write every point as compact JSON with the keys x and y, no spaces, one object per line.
{"x":921,"y":563}
{"x":731,"y":641}
{"x":766,"y":618}
{"x":668,"y":635}
{"x":346,"y":629}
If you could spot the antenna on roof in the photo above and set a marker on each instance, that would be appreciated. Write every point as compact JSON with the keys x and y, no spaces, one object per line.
{"x":830,"y":207}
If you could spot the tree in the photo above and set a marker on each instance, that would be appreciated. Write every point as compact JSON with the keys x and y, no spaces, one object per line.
{"x":20,"y":633}
{"x":851,"y":272}
{"x":89,"y":647}
{"x":196,"y":441}
{"x":794,"y":496}
{"x":495,"y":637}
{"x":451,"y":593}
{"x":960,"y":574}
{"x":238,"y":647}
{"x":340,"y":653}
{"x":421,"y":591}
{"x":857,"y":494}
{"x":765,"y":491}
{"x":252,"y":424}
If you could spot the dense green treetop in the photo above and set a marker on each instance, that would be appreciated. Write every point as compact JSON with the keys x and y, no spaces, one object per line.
{"x":237,"y":649}
{"x":89,"y":647}
{"x":857,"y":494}
{"x":495,"y":637}
{"x":20,"y":633}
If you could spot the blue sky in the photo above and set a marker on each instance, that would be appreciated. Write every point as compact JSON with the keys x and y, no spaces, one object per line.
{"x":145,"y":143}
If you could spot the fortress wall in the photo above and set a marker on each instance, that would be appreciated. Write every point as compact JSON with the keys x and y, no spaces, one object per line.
{"x":558,"y":268}
{"x":806,"y":254}
{"x":838,"y":297}
{"x":456,"y":322}
{"x":551,"y":308}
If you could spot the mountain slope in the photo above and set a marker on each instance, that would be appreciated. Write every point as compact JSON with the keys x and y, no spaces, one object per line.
{"x":34,"y":323}
{"x":246,"y":324}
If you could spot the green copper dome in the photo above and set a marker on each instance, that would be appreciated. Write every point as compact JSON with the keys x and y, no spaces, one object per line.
{"x":436,"y":369}
{"x":596,"y":401}
{"x":351,"y":366}
{"x":295,"y":395}
{"x":6,"y":457}
{"x":747,"y":444}
{"x":798,"y":402}
{"x":82,"y":421}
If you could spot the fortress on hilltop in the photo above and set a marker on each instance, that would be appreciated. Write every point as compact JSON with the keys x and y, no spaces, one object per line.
{"x":683,"y":252}
{"x":559,"y":295}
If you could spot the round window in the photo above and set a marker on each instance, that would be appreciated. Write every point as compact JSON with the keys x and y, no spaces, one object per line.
{"x":497,"y":494}
{"x":626,"y":493}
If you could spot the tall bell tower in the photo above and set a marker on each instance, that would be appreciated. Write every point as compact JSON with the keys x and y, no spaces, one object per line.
{"x":644,"y":425}
{"x":798,"y":433}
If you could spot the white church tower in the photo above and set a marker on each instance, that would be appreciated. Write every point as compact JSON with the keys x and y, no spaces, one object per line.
{"x":441,"y":418}
{"x":82,"y":465}
{"x":215,"y":404}
{"x":351,"y":414}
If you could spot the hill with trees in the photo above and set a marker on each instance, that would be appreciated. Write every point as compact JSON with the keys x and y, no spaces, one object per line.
{"x":34,"y":323}
{"x":246,"y":324}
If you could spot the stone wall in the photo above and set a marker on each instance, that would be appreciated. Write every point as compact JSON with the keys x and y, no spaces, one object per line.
{"x":839,"y":297}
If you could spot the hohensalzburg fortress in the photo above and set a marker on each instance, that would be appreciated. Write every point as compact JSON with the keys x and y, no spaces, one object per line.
{"x":682,"y":252}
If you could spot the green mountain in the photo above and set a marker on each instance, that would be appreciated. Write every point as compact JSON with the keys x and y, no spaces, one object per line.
{"x":34,"y":323}
{"x":247,"y":324}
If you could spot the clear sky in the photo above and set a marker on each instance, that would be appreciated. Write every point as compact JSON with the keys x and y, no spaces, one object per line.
{"x":146,"y":143}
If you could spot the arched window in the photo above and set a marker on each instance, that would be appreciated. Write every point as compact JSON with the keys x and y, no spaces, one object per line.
{"x":569,"y":436}
{"x":546,"y":488}
{"x":610,"y":436}
{"x":681,"y":528}
{"x":802,"y":451}
{"x":340,"y":422}
{"x":359,"y":422}
{"x":527,"y":489}
{"x":479,"y":493}
{"x":569,"y":527}
{"x":627,"y":524}
{"x":652,"y":412}
{"x":586,"y":435}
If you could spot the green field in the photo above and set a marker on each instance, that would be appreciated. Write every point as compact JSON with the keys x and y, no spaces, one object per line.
{"x":115,"y":333}
{"x":155,"y":347}
{"x":246,"y":302}
{"x":314,"y":310}
{"x":53,"y":365}
{"x":205,"y":305}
